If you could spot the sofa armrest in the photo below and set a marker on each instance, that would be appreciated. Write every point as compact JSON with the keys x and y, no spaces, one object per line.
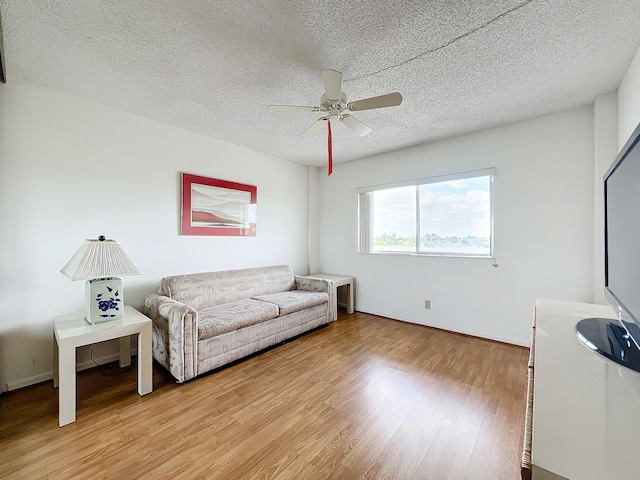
{"x":313,"y":284}
{"x":175,"y":328}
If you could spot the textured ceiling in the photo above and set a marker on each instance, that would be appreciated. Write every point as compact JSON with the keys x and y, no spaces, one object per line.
{"x":213,"y":66}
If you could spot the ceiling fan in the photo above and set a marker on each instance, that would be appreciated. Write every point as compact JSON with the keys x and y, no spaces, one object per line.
{"x":334,"y":104}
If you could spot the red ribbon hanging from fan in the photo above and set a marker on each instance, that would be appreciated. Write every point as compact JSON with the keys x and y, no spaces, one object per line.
{"x":329,"y":148}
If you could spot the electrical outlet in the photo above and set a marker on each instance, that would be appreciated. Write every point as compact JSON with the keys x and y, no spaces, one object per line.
{"x":427,"y":304}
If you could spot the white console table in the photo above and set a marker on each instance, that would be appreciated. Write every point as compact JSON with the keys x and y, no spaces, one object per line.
{"x":586,"y":409}
{"x":72,"y":331}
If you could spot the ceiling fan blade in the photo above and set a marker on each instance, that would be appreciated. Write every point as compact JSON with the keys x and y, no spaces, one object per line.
{"x":277,"y":108}
{"x":314,"y":127}
{"x":332,"y":84}
{"x":356,"y":125}
{"x":388,"y":100}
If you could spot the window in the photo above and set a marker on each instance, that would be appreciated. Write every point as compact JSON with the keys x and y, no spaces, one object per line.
{"x":451,"y":215}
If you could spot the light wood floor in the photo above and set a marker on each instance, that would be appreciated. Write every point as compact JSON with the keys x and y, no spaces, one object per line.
{"x":365,"y":397}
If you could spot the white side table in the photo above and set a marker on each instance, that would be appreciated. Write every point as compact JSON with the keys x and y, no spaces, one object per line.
{"x":72,"y":331}
{"x":339,"y":281}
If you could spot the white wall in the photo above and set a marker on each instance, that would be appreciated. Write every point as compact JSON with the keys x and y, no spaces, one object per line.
{"x":313,"y":212}
{"x":544,"y":229}
{"x":71,"y":169}
{"x":629,"y":101}
{"x":605,"y":148}
{"x":616,"y":116}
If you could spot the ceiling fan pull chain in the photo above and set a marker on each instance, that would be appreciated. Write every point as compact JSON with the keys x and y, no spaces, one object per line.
{"x":330,"y":168}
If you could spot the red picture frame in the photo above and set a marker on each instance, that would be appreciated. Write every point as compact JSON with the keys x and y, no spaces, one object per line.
{"x":217,"y":207}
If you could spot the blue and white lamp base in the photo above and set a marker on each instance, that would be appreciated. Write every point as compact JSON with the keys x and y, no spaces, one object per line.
{"x":104,"y":300}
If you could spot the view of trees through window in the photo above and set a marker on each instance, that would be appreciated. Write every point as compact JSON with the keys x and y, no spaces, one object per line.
{"x":451,"y":217}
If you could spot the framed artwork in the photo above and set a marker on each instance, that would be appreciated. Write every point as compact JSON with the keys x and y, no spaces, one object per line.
{"x":217,"y":207}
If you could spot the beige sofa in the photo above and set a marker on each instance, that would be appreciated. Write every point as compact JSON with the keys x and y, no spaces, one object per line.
{"x":202,"y":321}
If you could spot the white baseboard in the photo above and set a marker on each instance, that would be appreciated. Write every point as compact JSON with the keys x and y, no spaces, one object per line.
{"x":26,"y":382}
{"x":44,"y":377}
{"x":500,"y":339}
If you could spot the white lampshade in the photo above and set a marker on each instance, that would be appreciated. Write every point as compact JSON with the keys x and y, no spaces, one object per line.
{"x":100,"y":262}
{"x":98,"y":259}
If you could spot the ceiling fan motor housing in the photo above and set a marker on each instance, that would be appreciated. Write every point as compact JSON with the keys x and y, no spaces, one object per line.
{"x":333,"y":107}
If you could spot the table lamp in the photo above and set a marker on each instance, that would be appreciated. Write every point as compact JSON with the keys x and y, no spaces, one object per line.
{"x":100,"y":262}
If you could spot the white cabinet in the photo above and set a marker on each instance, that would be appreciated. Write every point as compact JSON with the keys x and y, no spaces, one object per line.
{"x":586,"y":409}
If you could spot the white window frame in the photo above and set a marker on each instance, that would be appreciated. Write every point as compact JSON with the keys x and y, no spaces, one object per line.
{"x":365,"y":236}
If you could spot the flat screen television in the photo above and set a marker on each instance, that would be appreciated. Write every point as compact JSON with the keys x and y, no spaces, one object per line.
{"x":620,"y":340}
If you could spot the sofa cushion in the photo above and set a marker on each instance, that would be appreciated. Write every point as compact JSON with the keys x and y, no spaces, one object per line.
{"x":294,"y":300}
{"x":203,"y":290}
{"x":221,"y":319}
